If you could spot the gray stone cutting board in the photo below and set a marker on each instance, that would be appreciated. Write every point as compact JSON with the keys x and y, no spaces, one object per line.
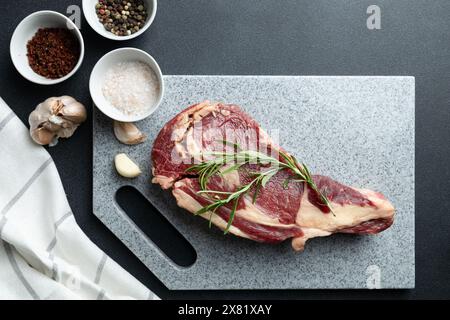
{"x":358,"y":130}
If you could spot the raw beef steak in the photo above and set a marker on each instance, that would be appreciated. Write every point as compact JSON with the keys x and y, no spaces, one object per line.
{"x":280,"y":211}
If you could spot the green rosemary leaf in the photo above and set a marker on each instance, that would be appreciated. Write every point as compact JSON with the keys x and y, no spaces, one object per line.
{"x":214,"y":191}
{"x":267,"y":177}
{"x":232,"y":168}
{"x":232,"y":214}
{"x":255,"y":194}
{"x":196,"y":168}
{"x":305,"y":168}
{"x":253,"y":174}
{"x":206,"y":174}
{"x":294,"y":159}
{"x":210,"y":217}
{"x":210,"y":207}
{"x":190,"y":169}
{"x":202,"y":211}
{"x":286,"y":157}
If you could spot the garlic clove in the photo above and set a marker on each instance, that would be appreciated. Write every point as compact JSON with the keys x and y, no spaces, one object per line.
{"x":42,"y":136}
{"x":50,"y":126}
{"x":38,"y":116}
{"x":66,"y":100}
{"x":67,"y":131}
{"x":128,"y":133}
{"x":126,"y":167}
{"x":74,"y":112}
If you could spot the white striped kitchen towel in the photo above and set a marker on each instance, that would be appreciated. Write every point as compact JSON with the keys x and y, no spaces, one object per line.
{"x":43,"y":252}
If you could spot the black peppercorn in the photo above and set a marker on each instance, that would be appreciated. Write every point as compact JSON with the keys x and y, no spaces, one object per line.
{"x":122,"y":18}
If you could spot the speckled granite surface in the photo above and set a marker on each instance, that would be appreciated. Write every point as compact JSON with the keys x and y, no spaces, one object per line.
{"x":357,"y":130}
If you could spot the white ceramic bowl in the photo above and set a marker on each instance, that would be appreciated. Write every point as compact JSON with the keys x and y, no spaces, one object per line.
{"x":98,"y":76}
{"x":91,"y":17}
{"x":27,"y":29}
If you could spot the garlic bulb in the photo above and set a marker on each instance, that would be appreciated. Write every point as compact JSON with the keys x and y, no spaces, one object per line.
{"x":56,"y":117}
{"x":128,"y":133}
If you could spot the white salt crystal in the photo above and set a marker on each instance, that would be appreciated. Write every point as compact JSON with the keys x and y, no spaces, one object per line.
{"x":131,"y":87}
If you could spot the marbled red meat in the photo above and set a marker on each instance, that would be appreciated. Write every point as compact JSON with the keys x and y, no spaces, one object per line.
{"x":280,"y":212}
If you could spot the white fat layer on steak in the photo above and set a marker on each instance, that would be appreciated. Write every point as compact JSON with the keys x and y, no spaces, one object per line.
{"x":345,"y":216}
{"x":165,"y":182}
{"x":230,"y":179}
{"x":250,"y":213}
{"x":186,"y":145}
{"x":192,"y":148}
{"x":203,"y":109}
{"x":298,"y":244}
{"x":185,"y":201}
{"x":184,"y":120}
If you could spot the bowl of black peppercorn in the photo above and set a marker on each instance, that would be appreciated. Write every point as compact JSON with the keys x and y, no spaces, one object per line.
{"x":120,"y":19}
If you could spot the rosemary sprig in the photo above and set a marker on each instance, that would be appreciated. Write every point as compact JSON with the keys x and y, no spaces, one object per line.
{"x":217,"y":165}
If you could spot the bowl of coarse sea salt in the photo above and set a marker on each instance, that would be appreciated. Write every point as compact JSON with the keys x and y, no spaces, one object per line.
{"x":127,"y":85}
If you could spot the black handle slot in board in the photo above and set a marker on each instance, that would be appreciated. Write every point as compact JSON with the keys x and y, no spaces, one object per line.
{"x":156,"y":226}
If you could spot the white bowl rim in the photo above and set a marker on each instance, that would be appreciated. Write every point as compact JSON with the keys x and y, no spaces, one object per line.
{"x":112,"y":36}
{"x":46,"y":81}
{"x":125,"y":117}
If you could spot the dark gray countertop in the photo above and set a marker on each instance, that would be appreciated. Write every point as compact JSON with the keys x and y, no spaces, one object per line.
{"x":286,"y":37}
